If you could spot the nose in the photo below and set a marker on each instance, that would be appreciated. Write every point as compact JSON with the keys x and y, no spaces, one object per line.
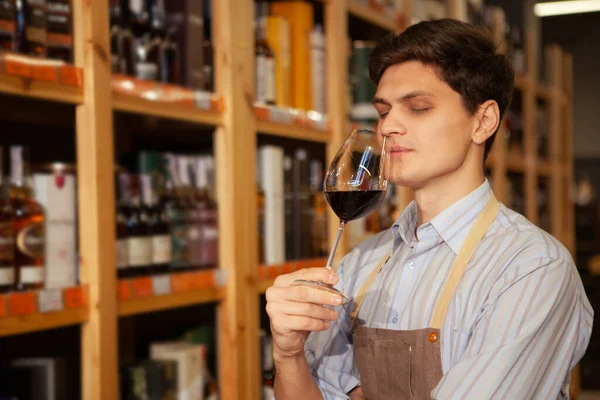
{"x":391,"y":125}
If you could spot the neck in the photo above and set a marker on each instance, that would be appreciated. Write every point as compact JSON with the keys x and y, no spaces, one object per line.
{"x":440,"y":193}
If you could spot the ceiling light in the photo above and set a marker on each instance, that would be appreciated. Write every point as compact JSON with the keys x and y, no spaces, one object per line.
{"x":566,"y":7}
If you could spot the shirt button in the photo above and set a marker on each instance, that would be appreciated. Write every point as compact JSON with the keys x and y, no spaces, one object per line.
{"x":412,"y":265}
{"x":432,"y":337}
{"x":395,"y":320}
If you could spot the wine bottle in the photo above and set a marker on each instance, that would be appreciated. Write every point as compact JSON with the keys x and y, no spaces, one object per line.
{"x":122,"y":211}
{"x":8,"y":24}
{"x":264,"y":59}
{"x":32,"y":28}
{"x":139,"y":239}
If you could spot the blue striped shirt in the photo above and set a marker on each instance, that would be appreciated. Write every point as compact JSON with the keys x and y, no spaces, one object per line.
{"x":517,"y":324}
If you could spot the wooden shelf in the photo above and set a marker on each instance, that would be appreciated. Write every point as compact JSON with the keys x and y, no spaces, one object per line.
{"x":41,"y":321}
{"x":137,"y":105}
{"x":292,"y":131}
{"x":27,"y":87}
{"x":262,"y":286}
{"x":372,"y":16}
{"x":32,"y":311}
{"x":157,"y":303}
{"x":171,"y":110}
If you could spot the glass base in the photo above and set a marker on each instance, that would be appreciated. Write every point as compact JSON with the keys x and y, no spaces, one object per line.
{"x":321,"y":286}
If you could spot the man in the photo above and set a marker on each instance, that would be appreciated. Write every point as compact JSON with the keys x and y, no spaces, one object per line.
{"x":462,"y":298}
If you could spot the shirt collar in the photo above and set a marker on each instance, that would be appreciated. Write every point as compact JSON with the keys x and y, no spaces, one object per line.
{"x":452,"y":225}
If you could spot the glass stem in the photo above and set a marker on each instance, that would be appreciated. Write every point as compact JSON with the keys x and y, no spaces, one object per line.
{"x":335,"y":245}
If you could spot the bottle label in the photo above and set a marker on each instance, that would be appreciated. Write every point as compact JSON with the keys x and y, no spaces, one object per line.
{"x":35,"y":30}
{"x":31,"y":274}
{"x":179,"y":239}
{"x":7,"y":17}
{"x":210,"y":233}
{"x":161,"y":249}
{"x":261,"y":79}
{"x":140,"y":251}
{"x":31,"y":240}
{"x":122,"y":254}
{"x":59,"y":24}
{"x":36,"y":35}
{"x":7,"y":276}
{"x":210,"y":245}
{"x":195,"y":240}
{"x":270,"y":79}
{"x":7,"y":242}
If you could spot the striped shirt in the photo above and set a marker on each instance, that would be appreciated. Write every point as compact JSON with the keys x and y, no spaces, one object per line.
{"x":517,"y":324}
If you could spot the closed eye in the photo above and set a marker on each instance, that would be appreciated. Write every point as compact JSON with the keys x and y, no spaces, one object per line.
{"x":420,"y":110}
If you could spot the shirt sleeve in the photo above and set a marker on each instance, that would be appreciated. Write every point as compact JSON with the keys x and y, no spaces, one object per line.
{"x":533,"y":329}
{"x":330,"y":354}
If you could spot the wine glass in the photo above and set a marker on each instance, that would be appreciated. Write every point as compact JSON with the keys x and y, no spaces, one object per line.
{"x":354,"y":187}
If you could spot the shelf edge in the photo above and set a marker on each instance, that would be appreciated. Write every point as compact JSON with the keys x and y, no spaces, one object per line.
{"x":144,"y":305}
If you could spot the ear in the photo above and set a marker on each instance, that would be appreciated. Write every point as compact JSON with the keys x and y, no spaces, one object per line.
{"x":487,"y":121}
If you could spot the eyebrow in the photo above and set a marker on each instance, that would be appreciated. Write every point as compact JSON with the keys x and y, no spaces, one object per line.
{"x":411,"y":95}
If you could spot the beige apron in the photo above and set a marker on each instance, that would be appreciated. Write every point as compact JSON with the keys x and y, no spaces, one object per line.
{"x":408,"y":364}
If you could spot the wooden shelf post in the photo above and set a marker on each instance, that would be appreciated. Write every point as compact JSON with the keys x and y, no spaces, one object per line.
{"x":530,"y":136}
{"x":567,"y":90}
{"x":96,"y":199}
{"x":554,"y":66}
{"x":235,"y":140}
{"x":498,"y":151}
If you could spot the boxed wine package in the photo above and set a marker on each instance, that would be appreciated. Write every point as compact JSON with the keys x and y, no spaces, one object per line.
{"x":55,"y":189}
{"x":190,"y":366}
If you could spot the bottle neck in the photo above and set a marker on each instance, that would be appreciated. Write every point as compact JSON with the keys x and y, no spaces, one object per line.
{"x":19,"y":168}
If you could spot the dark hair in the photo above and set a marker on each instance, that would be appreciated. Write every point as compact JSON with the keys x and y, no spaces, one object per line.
{"x":464,"y":55}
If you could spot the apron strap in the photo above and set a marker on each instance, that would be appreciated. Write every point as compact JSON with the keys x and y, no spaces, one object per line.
{"x":363,"y":289}
{"x":480,"y":227}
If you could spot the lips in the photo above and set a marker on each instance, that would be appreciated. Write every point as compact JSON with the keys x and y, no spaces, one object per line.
{"x":397,"y":151}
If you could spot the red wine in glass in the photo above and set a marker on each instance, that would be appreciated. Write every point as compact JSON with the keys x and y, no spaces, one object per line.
{"x":354,"y":204}
{"x":354,"y":187}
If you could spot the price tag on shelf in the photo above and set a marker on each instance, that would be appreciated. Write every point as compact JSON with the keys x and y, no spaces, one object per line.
{"x":142,"y":287}
{"x":202,"y":100}
{"x":206,"y":279}
{"x":220,"y":277}
{"x":22,"y":303}
{"x":124,"y":290}
{"x":3,"y":310}
{"x":281,"y":115}
{"x":194,"y":281}
{"x":274,"y":271}
{"x":263,"y":272}
{"x":18,"y":68}
{"x":161,"y":285}
{"x":75,"y":297}
{"x":44,"y":73}
{"x":180,"y":282}
{"x":71,"y":76}
{"x":50,"y":300}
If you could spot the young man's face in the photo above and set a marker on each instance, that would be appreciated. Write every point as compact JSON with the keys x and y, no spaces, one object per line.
{"x":427,"y":128}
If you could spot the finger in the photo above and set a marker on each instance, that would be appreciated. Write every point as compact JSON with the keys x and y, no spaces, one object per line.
{"x":302,"y":294}
{"x":301,"y":310}
{"x":296,"y":323}
{"x":306,"y":294}
{"x":318,"y":274}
